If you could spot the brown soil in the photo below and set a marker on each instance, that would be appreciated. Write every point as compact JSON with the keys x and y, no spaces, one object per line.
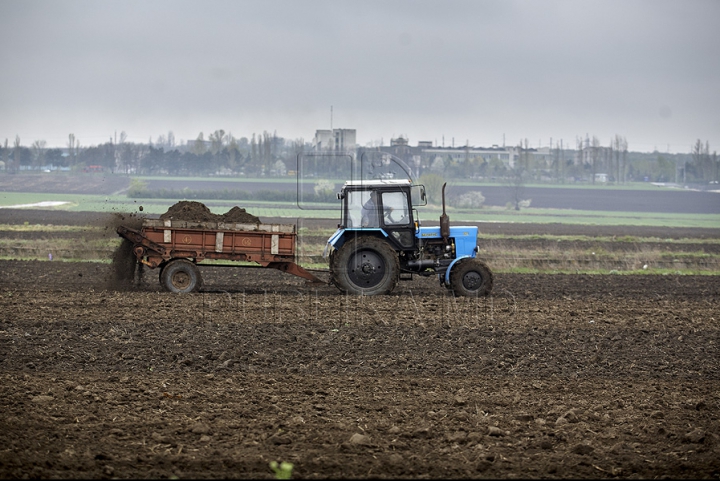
{"x":197,"y":211}
{"x":553,"y":376}
{"x":572,"y":376}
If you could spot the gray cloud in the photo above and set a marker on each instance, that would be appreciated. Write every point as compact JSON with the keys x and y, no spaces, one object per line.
{"x":472,"y":70}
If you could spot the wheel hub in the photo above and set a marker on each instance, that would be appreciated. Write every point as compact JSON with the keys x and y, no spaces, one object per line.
{"x":366,"y":268}
{"x":472,"y":281}
{"x":181,"y":280}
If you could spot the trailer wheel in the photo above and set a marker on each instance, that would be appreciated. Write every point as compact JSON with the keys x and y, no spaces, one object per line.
{"x":180,"y":276}
{"x":471,"y":278}
{"x":365,"y":265}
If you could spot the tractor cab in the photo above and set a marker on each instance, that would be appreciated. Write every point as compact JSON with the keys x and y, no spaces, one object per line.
{"x":385,"y":206}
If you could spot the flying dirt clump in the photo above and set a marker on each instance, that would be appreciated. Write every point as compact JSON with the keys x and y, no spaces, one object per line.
{"x":199,"y":212}
{"x":115,"y":220}
{"x":125,"y":268}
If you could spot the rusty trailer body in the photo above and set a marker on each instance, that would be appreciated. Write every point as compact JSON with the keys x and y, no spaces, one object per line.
{"x":178,"y":246}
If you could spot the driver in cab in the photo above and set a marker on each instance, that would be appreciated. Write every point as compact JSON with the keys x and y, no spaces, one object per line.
{"x":370,"y":211}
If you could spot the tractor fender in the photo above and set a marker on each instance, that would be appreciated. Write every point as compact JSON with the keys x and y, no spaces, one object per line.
{"x":337,"y":240}
{"x":447,"y":272}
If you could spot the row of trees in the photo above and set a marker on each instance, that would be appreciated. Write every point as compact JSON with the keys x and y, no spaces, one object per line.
{"x":220,"y":153}
{"x":589,"y":161}
{"x":704,"y":166}
{"x":269,"y":155}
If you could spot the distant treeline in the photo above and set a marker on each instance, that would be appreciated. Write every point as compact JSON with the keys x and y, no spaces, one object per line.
{"x":268,"y":155}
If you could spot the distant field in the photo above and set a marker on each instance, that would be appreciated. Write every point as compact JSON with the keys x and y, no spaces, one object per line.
{"x":644,"y":198}
{"x":587,"y":205}
{"x":119,"y":203}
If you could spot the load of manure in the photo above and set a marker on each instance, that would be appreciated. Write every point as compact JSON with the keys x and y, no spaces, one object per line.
{"x":199,"y":212}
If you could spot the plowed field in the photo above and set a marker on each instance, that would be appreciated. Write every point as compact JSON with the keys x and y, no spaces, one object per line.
{"x":581,"y":376}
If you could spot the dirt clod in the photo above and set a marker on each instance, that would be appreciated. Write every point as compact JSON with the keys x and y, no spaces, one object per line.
{"x":495,"y":431}
{"x":360,"y":439}
{"x":200,"y":428}
{"x":582,"y":449}
{"x":695,"y":436}
{"x":239,"y":215}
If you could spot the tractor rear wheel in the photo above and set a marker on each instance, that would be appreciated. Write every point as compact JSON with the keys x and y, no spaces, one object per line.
{"x":180,"y":276}
{"x":365,"y":265}
{"x":471,"y":278}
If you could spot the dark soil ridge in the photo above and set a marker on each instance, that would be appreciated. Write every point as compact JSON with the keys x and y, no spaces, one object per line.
{"x":635,"y":246}
{"x":509,"y":244}
{"x":86,"y":276}
{"x":58,"y":217}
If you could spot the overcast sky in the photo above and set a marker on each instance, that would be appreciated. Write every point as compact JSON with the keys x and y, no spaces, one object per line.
{"x":476,"y":71}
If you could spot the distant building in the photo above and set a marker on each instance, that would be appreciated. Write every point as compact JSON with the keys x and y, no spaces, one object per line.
{"x":322,"y":140}
{"x":424,"y":154}
{"x":335,"y":140}
{"x":421,"y":157}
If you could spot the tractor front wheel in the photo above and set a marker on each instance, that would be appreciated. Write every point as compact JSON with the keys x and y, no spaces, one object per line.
{"x":471,"y":278}
{"x":365,"y":265}
{"x":180,"y":276}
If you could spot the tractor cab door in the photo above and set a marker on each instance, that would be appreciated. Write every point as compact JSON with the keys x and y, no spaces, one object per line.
{"x":397,"y":219}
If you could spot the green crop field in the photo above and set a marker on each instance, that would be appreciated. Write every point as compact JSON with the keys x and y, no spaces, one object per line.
{"x":120,"y":203}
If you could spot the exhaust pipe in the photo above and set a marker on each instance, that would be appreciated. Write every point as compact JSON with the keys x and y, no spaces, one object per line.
{"x":444,"y":220}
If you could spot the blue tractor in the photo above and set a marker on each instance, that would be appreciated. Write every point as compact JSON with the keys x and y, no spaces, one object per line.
{"x":380,"y":241}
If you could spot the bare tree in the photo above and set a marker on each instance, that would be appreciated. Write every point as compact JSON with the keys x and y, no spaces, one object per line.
{"x":73,"y":149}
{"x":620,"y":147}
{"x":702,"y":162}
{"x":559,"y":162}
{"x":266,"y":150}
{"x":126,"y":155}
{"x":38,"y":149}
{"x":298,"y":146}
{"x":6,"y":155}
{"x":594,"y":157}
{"x":254,"y":148}
{"x":16,"y":154}
{"x":623,"y":171}
{"x":217,"y":141}
{"x":199,"y":146}
{"x":119,"y":151}
{"x":518,"y":174}
{"x":233,"y":153}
